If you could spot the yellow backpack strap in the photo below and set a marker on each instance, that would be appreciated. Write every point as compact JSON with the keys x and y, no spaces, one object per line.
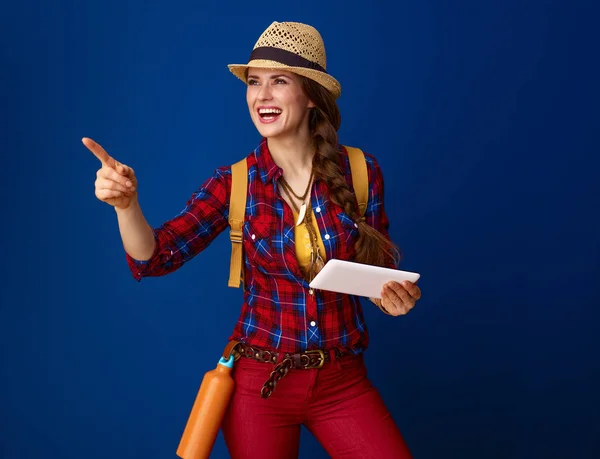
{"x":237,"y":210}
{"x":360,"y":177}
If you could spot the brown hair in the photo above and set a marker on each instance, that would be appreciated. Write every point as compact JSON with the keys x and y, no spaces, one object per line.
{"x":372,"y":247}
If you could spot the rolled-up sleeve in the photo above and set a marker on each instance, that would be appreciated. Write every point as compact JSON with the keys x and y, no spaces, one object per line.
{"x":183,"y":237}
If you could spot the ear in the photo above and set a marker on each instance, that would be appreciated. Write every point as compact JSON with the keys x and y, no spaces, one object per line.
{"x":311,"y":104}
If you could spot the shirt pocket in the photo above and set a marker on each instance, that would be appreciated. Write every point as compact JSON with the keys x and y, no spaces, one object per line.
{"x":346,"y":237}
{"x":349,"y":226}
{"x":258,"y":235}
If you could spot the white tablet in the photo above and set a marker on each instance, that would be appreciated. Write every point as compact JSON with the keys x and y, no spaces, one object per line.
{"x":357,"y":278}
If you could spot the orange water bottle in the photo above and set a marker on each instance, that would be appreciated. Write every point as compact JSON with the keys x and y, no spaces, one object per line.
{"x":208,"y":411}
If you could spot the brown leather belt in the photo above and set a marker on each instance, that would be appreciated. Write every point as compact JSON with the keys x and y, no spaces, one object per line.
{"x":310,"y":359}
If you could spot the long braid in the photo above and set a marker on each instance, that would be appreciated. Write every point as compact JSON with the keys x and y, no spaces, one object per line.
{"x":371,"y":247}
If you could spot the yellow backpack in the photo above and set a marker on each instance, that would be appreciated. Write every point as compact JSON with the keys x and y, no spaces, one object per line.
{"x":237,"y":204}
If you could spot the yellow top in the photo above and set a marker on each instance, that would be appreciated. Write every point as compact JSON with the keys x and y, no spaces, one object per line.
{"x":303,"y":247}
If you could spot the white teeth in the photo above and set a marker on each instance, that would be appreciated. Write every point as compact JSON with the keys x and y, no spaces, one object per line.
{"x":264,"y":111}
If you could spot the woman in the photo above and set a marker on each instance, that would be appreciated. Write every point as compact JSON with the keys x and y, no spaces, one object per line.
{"x":300,"y":212}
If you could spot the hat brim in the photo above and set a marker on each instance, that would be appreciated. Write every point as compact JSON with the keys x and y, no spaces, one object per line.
{"x":324,"y":79}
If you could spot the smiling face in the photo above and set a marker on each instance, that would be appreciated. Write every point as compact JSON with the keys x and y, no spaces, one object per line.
{"x":278,"y":106}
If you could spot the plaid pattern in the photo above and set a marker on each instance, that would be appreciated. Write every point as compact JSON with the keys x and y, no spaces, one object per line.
{"x":280,"y":311}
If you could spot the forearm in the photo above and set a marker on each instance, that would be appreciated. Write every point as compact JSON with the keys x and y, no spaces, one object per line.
{"x":136,"y":233}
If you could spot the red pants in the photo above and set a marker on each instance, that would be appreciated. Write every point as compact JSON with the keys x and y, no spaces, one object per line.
{"x":337,"y":403}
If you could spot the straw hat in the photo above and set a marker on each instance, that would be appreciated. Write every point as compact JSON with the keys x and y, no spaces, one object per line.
{"x":292,"y":46}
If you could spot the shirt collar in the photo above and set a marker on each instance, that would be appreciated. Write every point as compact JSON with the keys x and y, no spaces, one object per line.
{"x":267,"y":169}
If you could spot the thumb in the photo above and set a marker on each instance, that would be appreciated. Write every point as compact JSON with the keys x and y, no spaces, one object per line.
{"x":99,"y":152}
{"x":124,"y":169}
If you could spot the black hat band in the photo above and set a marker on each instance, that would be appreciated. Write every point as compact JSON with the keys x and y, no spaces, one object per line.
{"x":284,"y":57}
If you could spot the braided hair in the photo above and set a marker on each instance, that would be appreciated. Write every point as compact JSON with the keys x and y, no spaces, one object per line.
{"x":372,"y":247}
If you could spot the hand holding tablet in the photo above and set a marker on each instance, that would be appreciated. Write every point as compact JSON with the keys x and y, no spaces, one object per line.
{"x":357,"y":278}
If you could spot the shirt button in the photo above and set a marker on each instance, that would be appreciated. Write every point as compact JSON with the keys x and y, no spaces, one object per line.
{"x":318,"y":209}
{"x":327,"y":237}
{"x":313,"y":323}
{"x":311,"y":292}
{"x":356,"y":225}
{"x":253,"y":236}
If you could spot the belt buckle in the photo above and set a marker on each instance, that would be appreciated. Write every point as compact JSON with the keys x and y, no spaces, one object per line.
{"x":313,"y":352}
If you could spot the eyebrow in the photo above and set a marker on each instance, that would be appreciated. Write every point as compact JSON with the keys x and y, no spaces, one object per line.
{"x":272,"y":78}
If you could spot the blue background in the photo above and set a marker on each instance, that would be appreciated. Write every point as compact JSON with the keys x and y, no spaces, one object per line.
{"x":484,"y":117}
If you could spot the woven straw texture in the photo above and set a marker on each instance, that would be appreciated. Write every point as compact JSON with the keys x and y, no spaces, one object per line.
{"x":300,"y":39}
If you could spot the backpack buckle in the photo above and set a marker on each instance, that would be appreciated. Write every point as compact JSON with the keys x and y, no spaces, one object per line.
{"x":236,"y":236}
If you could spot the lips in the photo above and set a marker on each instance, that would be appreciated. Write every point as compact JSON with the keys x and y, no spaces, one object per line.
{"x":268,"y":114}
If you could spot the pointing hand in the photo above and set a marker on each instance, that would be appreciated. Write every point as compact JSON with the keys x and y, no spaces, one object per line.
{"x":116,"y":183}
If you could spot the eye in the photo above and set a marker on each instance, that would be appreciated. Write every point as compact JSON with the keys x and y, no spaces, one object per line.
{"x":252,"y":82}
{"x":280,"y":81}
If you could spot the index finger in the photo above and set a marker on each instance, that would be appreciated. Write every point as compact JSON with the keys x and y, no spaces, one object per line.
{"x":99,"y":152}
{"x":412,"y":289}
{"x":398,"y":287}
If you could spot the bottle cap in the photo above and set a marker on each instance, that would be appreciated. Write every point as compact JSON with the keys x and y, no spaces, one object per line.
{"x":227,"y":363}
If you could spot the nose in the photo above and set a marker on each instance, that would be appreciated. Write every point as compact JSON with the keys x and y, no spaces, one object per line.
{"x":265,"y":92}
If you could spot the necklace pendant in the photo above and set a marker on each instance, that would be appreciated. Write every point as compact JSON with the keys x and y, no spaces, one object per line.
{"x":301,"y":214}
{"x":319,"y":264}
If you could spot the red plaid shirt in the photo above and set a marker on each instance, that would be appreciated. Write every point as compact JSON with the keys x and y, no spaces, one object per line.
{"x":280,"y":311}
